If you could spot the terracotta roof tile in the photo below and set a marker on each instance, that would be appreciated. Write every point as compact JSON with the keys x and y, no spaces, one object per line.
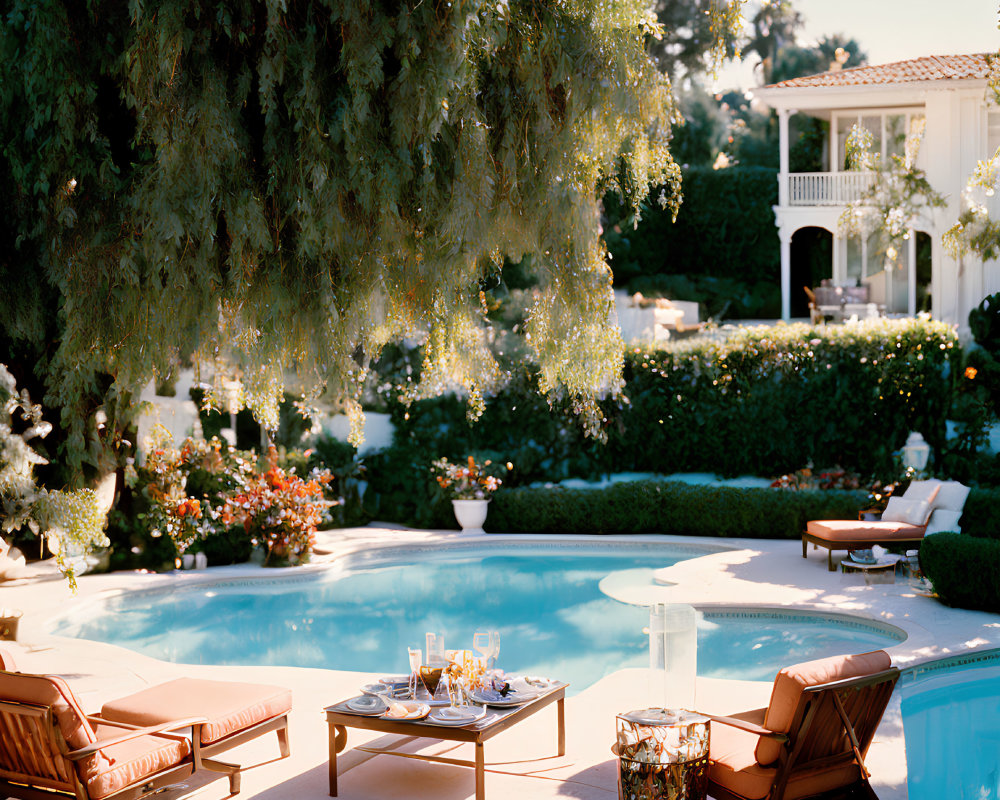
{"x":926,"y":68}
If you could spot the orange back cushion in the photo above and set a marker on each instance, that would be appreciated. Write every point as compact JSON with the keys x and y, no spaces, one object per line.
{"x":789,"y":683}
{"x":52,"y":691}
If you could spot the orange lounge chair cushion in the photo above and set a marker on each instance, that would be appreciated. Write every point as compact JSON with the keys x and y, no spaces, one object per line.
{"x":133,"y":761}
{"x":734,"y":767}
{"x":845,"y":530}
{"x":229,"y":707}
{"x":789,"y":683}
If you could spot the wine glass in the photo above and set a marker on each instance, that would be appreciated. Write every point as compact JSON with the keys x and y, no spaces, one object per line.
{"x":416,"y":661}
{"x":482,"y":643}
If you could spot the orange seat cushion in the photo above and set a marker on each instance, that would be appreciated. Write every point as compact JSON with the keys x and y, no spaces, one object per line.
{"x":133,"y":761}
{"x":841,"y":530}
{"x":229,"y":706}
{"x":789,"y":683}
{"x":732,"y":765}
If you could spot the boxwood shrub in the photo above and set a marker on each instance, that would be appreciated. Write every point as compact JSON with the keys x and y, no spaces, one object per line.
{"x":965,"y":570}
{"x":668,"y":507}
{"x":980,"y":518}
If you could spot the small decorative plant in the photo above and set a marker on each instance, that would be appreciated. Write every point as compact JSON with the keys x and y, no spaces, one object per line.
{"x":469,"y":481}
{"x":72,"y":522}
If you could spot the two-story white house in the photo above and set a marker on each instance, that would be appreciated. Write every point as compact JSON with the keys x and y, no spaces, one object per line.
{"x":962,"y":127}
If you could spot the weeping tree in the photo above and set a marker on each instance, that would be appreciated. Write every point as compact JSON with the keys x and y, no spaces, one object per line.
{"x":280,"y":188}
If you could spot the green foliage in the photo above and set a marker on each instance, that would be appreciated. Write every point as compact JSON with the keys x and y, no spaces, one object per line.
{"x":724,"y":231}
{"x":979,"y":518}
{"x":276,"y":186}
{"x":667,"y":507}
{"x":773,"y":399}
{"x":72,"y":521}
{"x":762,"y":403}
{"x":690,"y":42}
{"x":965,"y":570}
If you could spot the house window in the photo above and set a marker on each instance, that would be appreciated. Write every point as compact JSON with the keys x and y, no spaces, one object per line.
{"x":888,"y":129}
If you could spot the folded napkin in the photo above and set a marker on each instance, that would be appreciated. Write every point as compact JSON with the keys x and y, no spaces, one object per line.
{"x":883,"y":556}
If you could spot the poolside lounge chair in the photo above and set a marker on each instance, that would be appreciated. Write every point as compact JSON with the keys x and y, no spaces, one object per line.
{"x":812,"y":738}
{"x":50,"y":748}
{"x":926,"y":507}
{"x":126,"y":746}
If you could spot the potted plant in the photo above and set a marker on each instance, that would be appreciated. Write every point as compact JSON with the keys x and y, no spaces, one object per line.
{"x":470,"y":486}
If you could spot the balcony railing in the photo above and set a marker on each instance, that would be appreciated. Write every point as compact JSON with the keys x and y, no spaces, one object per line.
{"x":827,"y":188}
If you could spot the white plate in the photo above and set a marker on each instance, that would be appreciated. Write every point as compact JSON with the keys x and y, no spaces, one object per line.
{"x":414,"y":710}
{"x":512,"y":699}
{"x":395,"y":680}
{"x":366,"y":704}
{"x":440,"y":716}
{"x":379,"y":689}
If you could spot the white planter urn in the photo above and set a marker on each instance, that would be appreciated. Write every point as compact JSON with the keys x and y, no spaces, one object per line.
{"x":471,"y":514}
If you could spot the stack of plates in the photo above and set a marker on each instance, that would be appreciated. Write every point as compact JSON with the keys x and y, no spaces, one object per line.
{"x":492,"y":697}
{"x":457,"y":716}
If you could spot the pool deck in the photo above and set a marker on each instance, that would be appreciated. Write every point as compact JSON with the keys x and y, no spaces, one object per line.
{"x":521,"y":762}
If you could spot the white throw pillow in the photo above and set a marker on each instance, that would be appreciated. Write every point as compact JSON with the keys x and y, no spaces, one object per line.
{"x":922,"y":490}
{"x":914,"y":512}
{"x":944,"y":520}
{"x":952,"y":496}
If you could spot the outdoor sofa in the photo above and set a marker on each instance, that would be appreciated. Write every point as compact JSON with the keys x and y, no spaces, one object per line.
{"x":926,"y":507}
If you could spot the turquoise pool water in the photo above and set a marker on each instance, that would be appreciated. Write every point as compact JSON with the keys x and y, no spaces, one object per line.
{"x":552,"y":616}
{"x":951,"y":723}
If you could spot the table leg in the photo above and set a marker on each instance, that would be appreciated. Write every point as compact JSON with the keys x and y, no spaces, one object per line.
{"x":338,"y":740}
{"x":480,"y":772}
{"x":561,"y":726}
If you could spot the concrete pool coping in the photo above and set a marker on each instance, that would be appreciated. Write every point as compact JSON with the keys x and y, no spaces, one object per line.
{"x":756,"y":574}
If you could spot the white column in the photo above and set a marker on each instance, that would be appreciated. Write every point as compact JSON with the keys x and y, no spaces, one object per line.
{"x":911,"y":272}
{"x":838,"y":264}
{"x":785,"y":235}
{"x":783,"y":158}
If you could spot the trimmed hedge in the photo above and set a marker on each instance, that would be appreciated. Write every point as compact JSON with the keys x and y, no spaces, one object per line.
{"x":767,"y":402}
{"x":725,"y":228}
{"x":668,"y":507}
{"x":965,"y":570}
{"x":980,"y":519}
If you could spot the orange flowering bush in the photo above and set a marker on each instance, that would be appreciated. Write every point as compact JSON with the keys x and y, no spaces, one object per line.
{"x":281,"y":512}
{"x":203,"y":488}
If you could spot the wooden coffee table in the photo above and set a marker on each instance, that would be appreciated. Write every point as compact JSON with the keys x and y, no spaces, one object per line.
{"x":497,"y":720}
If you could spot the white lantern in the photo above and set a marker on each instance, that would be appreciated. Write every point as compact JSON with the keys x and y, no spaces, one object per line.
{"x":916,"y":452}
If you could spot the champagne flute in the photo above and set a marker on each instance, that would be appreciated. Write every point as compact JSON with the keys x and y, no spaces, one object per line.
{"x":416,"y":661}
{"x":494,"y":649}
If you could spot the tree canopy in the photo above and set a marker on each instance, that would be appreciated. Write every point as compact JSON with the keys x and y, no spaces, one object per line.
{"x":288,"y":185}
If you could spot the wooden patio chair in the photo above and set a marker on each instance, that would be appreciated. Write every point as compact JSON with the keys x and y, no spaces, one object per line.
{"x":50,"y":749}
{"x":815,"y":315}
{"x":811,"y":740}
{"x":126,"y":750}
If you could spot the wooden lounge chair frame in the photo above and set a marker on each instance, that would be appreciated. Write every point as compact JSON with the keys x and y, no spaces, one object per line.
{"x":857,"y":544}
{"x":32,"y":734}
{"x":203,"y":752}
{"x":833,"y":725}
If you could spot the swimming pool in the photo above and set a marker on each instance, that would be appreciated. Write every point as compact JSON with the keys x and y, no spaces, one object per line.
{"x":545,"y":601}
{"x":951,"y":724}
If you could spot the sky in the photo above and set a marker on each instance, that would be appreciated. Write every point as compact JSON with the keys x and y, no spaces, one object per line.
{"x":891,"y":30}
